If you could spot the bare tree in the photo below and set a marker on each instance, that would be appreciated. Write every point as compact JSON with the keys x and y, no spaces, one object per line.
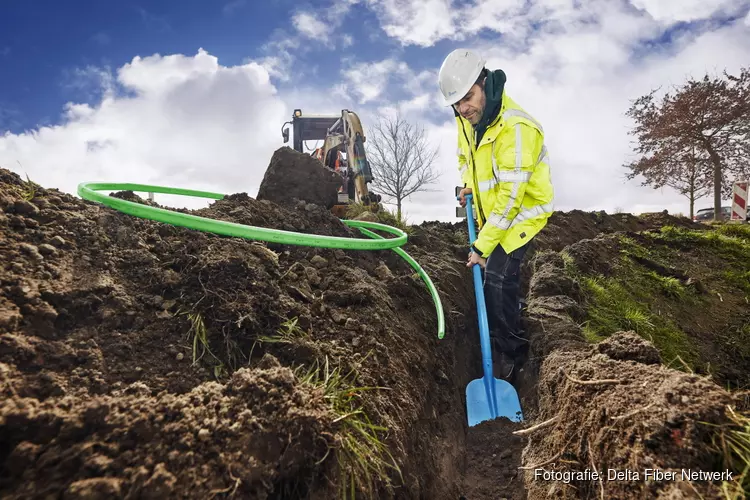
{"x":705,"y":123}
{"x":400,"y":159}
{"x":687,"y":171}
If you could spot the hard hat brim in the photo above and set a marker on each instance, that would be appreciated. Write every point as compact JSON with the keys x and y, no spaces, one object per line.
{"x":450,"y":101}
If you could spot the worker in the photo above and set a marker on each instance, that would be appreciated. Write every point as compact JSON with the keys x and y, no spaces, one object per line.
{"x":504,"y":165}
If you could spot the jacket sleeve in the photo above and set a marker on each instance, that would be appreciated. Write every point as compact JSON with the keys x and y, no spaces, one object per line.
{"x":513,"y":172}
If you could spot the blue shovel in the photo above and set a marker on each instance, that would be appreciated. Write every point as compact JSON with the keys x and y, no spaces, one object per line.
{"x":487,"y":398}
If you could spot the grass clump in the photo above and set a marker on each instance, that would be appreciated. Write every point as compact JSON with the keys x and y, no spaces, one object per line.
{"x":732,"y":444}
{"x":288,"y":333}
{"x":668,"y":285}
{"x":30,"y":189}
{"x":197,"y":335}
{"x":738,"y":231}
{"x":362,"y":456}
{"x":739,"y":279}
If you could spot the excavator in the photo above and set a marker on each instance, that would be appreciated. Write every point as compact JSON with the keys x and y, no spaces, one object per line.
{"x":343,"y":151}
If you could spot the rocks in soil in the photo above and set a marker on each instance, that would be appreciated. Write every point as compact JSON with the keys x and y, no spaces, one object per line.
{"x":292,"y":176}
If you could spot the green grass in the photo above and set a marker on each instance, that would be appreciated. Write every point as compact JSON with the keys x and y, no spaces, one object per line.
{"x":568,"y":262}
{"x":728,"y":241}
{"x":738,"y":231}
{"x":731,"y":444}
{"x":669,"y":286}
{"x":197,"y":335}
{"x":649,"y":303}
{"x":362,"y":456}
{"x":626,"y":301}
{"x":615,"y":306}
{"x":30,"y":189}
{"x":288,"y":333}
{"x":738,"y":278}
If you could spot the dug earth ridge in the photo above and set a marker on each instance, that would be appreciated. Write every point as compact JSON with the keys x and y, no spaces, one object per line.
{"x":143,"y":360}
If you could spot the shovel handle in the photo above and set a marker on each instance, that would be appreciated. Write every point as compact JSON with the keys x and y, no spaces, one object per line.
{"x":484,"y":329}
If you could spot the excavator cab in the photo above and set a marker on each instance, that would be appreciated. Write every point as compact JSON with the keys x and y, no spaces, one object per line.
{"x":342,"y":151}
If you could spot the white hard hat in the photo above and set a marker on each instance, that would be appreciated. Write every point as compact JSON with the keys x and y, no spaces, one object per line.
{"x":458,"y":73}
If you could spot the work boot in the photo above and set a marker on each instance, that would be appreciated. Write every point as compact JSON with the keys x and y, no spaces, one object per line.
{"x":503,"y":366}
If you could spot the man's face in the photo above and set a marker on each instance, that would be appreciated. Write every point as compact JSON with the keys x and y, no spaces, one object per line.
{"x":471,"y":107}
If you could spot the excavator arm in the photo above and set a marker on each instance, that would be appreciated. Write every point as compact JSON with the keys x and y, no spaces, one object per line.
{"x":343,"y":150}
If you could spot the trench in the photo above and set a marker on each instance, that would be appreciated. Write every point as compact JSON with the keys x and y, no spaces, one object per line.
{"x":488,"y":466}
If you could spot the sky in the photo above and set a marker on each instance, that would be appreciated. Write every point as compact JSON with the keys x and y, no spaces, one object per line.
{"x":194,"y":93}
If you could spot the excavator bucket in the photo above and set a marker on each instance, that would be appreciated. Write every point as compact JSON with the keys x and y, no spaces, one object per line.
{"x":340,"y":134}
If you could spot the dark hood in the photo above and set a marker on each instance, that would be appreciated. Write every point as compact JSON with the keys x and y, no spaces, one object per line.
{"x":494,"y":85}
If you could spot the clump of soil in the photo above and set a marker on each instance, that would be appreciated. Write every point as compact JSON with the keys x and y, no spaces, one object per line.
{"x":567,"y":228}
{"x":624,"y":416}
{"x":493,"y":454}
{"x":291,"y":175}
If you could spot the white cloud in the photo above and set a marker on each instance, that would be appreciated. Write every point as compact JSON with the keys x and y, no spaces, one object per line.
{"x":323,"y":25}
{"x":280,"y":56}
{"x":377,"y":81}
{"x":670,"y":11}
{"x":425,"y":22}
{"x":420,"y":22}
{"x":310,"y":26}
{"x":188,"y":122}
{"x":369,"y":80}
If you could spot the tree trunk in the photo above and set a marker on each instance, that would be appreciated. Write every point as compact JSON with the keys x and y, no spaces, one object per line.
{"x":716,"y":160}
{"x":398,"y":209}
{"x":692,"y":204}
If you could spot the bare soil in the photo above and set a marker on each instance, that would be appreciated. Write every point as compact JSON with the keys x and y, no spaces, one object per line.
{"x":143,"y":360}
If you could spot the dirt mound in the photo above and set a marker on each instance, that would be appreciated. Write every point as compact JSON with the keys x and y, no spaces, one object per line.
{"x":627,"y":346}
{"x":567,"y":228}
{"x":623,"y":416}
{"x":292,"y":175}
{"x":492,"y":457}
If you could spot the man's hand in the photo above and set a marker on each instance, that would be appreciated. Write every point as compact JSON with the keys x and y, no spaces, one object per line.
{"x":475,"y":258}
{"x":462,"y":196}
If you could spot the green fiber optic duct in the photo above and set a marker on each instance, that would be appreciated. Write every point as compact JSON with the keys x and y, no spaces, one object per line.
{"x":88,"y":191}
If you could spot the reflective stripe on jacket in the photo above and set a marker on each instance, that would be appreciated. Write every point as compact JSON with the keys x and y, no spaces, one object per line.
{"x":509,"y":175}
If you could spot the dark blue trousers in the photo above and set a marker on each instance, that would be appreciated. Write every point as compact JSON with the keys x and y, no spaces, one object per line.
{"x":502,"y":282}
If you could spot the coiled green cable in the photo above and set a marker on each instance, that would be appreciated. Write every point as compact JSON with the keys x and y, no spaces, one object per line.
{"x":88,"y":191}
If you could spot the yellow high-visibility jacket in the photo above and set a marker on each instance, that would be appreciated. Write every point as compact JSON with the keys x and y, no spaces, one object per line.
{"x":510,"y":178}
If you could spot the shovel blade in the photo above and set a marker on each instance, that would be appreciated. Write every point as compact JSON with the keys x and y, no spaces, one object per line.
{"x":479,"y":405}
